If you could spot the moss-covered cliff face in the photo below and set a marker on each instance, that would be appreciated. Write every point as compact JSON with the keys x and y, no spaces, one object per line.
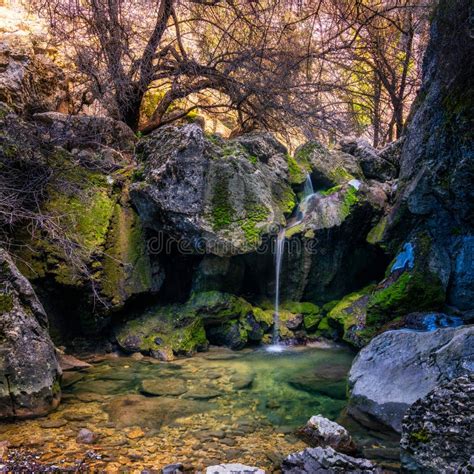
{"x":435,"y":194}
{"x":80,"y":231}
{"x":166,"y":332}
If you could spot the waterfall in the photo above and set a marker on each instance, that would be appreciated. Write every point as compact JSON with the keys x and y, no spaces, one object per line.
{"x":280,"y":247}
{"x":308,"y":191}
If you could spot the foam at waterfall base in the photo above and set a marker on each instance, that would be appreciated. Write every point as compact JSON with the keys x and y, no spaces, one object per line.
{"x":275,"y":348}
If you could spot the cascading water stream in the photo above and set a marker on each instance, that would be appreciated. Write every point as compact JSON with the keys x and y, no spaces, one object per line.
{"x":280,"y":247}
{"x":308,"y":191}
{"x":308,"y":187}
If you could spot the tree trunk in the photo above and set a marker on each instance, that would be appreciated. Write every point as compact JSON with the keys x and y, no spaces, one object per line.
{"x":376,"y":117}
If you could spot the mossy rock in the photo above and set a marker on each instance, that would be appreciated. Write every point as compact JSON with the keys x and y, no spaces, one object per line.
{"x":215,"y":306}
{"x":102,"y":230}
{"x":376,"y":234}
{"x":232,"y":334}
{"x":348,"y":316}
{"x":311,"y":313}
{"x":165,"y":330}
{"x":223,"y":195}
{"x":414,"y":287}
{"x":126,"y":267}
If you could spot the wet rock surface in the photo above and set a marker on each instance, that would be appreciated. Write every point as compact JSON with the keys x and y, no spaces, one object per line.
{"x":319,"y":431}
{"x":437,"y":429}
{"x":326,"y":460}
{"x":164,"y":386}
{"x":399,"y":367}
{"x":29,"y":370}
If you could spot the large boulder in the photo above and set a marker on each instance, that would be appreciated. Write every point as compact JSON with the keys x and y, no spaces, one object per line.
{"x":210,"y":194}
{"x":398,"y":367}
{"x":437,"y":433}
{"x":85,"y":236}
{"x":326,"y":460}
{"x":414,"y":282}
{"x":29,"y":371}
{"x":327,"y":168}
{"x":85,"y":131}
{"x":374,"y":165}
{"x":330,"y":232}
{"x":163,"y":333}
{"x":29,"y":80}
{"x":319,"y":431}
{"x":435,"y":194}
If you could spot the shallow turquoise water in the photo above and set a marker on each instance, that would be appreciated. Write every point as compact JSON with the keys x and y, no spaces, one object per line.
{"x":287,"y":387}
{"x":218,"y":406}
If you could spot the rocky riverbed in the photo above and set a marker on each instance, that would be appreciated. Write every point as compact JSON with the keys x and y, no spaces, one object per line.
{"x":221,"y":406}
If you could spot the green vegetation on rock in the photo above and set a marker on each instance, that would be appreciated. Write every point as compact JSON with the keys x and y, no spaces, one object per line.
{"x":350,"y":199}
{"x":376,"y":233}
{"x":349,"y":315}
{"x":6,"y":303}
{"x":255,"y":214}
{"x":297,"y":173}
{"x":222,"y":210}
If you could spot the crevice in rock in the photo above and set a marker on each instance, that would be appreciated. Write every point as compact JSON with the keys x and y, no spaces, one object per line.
{"x":10,"y":394}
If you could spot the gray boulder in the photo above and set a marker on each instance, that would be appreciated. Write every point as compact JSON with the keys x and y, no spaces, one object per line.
{"x":332,"y":233}
{"x":373,"y":164}
{"x":29,"y":80}
{"x":211,"y":194}
{"x":399,"y":367}
{"x":85,"y":131}
{"x":437,"y":434}
{"x":327,"y":168}
{"x":29,"y":370}
{"x":319,"y":431}
{"x":326,"y":461}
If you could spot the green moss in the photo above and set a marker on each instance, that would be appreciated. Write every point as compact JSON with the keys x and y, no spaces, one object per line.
{"x":350,"y":199}
{"x":255,"y":214}
{"x":303,"y":154}
{"x":421,"y":436}
{"x":222,"y":210}
{"x":297,"y":173}
{"x":218,"y":305}
{"x":329,"y":306}
{"x":340,"y":175}
{"x":410,"y":292}
{"x":125,"y":266}
{"x":301,"y":307}
{"x":324,"y":324}
{"x":167,"y":328}
{"x":264,"y":316}
{"x":375,"y":235}
{"x":332,"y":190}
{"x":296,"y":229}
{"x":350,"y":310}
{"x":6,"y":303}
{"x":286,"y":200}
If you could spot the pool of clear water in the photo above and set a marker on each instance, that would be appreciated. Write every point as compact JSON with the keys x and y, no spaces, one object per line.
{"x":219,"y":406}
